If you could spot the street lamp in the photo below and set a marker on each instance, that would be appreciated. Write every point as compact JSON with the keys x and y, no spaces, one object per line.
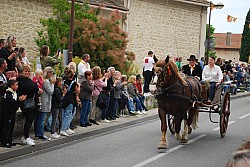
{"x":70,"y":51}
{"x":219,"y":5}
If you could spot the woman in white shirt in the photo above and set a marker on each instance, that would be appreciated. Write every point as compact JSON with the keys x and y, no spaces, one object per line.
{"x":212,"y":74}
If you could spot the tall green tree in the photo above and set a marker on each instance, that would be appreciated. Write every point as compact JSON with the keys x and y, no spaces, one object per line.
{"x":211,"y":51}
{"x":245,"y":40}
{"x":100,"y":37}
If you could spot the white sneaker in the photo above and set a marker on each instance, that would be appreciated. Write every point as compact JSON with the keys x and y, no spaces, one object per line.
{"x":55,"y":136}
{"x":105,"y":121}
{"x":23,"y":139}
{"x":70,"y":132}
{"x":137,"y":113}
{"x":63,"y":133}
{"x":29,"y":142}
{"x":144,"y":112}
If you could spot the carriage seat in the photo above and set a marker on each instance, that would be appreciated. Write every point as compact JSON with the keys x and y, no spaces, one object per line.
{"x":206,"y":89}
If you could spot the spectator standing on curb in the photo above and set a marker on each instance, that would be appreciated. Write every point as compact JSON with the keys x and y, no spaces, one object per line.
{"x":86,"y":90}
{"x":46,"y":99}
{"x":117,"y":95}
{"x":56,"y":105}
{"x":148,"y":72}
{"x":110,"y":92}
{"x":29,"y":88}
{"x":69,"y":102}
{"x":83,"y":66}
{"x":11,"y":104}
{"x":99,"y":82}
{"x":10,"y":56}
{"x":47,"y":60}
{"x":3,"y":86}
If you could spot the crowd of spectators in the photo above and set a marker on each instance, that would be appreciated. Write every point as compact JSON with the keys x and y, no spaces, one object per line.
{"x":47,"y":99}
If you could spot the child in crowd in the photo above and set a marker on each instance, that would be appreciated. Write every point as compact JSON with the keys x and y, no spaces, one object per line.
{"x":11,"y":104}
{"x":56,"y":105}
{"x":38,"y":78}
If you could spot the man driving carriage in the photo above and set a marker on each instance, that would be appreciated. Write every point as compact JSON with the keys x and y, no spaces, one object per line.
{"x":193,"y":69}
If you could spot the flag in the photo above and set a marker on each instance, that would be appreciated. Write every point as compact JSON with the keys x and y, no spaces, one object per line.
{"x":229,"y":18}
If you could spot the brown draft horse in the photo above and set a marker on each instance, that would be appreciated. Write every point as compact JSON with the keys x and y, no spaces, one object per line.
{"x":176,"y":96}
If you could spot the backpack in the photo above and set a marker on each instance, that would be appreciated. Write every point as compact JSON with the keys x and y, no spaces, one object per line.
{"x":101,"y":100}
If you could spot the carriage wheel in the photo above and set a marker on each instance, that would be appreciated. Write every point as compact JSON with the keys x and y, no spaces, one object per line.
{"x":171,"y":123}
{"x":224,"y":113}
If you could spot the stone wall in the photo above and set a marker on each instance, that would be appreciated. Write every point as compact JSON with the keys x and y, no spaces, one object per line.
{"x":21,"y":19}
{"x":166,"y":27}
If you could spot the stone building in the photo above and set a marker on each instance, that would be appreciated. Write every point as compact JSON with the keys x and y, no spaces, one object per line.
{"x":227,"y":46}
{"x":175,"y":27}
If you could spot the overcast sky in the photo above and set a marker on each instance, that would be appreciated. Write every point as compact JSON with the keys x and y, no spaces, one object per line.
{"x":235,"y":8}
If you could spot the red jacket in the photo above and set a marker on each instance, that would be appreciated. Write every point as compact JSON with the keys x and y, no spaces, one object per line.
{"x":139,"y":86}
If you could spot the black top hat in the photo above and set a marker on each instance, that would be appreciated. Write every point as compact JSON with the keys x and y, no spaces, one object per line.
{"x":192,"y":57}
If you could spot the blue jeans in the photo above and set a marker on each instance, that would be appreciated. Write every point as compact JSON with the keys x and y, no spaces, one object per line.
{"x":142,"y":99}
{"x":40,"y":123}
{"x":115,"y":107}
{"x":84,"y":117}
{"x":131,"y":105}
{"x":137,"y":104}
{"x":212,"y":90}
{"x":67,"y":117}
{"x":104,"y":111}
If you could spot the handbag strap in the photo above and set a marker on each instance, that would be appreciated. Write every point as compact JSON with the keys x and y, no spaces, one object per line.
{"x":97,"y":88}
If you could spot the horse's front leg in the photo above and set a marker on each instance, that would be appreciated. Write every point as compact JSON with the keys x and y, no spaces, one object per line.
{"x":184,"y":138}
{"x":163,"y":142}
{"x":178,"y":120}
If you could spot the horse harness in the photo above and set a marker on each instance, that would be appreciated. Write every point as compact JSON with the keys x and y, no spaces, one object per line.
{"x":170,"y":90}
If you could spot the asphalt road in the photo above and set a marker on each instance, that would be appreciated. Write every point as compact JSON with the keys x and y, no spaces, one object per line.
{"x":136,"y":146}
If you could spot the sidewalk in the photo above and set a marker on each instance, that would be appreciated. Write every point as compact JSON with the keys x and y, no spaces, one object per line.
{"x":83,"y":133}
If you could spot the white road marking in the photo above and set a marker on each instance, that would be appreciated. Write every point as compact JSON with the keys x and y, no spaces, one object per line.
{"x":218,"y":128}
{"x":244,"y":116}
{"x":167,"y":152}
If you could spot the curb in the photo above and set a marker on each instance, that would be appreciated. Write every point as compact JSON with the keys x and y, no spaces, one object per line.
{"x":21,"y":151}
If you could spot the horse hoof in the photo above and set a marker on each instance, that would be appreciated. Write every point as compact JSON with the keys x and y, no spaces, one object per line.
{"x":162,"y":145}
{"x":184,"y":141}
{"x":177,"y":136}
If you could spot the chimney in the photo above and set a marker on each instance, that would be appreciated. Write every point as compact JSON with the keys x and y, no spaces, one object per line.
{"x":228,"y":39}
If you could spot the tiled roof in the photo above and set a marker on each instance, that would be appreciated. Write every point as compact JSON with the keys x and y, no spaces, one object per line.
{"x":201,"y":2}
{"x":221,"y":38}
{"x":115,"y":4}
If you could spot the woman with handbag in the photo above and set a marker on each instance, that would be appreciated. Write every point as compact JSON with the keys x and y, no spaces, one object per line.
{"x":99,"y":82}
{"x":29,"y":88}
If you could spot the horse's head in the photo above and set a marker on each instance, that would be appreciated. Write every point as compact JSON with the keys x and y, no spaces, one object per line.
{"x":167,"y":72}
{"x":164,"y":71}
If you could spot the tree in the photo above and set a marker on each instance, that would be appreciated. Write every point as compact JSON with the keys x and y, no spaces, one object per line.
{"x":211,"y":51}
{"x":245,"y":40}
{"x":100,"y":37}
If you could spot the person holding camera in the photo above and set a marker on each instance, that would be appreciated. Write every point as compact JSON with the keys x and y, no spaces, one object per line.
{"x":10,"y":56}
{"x":47,"y":60}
